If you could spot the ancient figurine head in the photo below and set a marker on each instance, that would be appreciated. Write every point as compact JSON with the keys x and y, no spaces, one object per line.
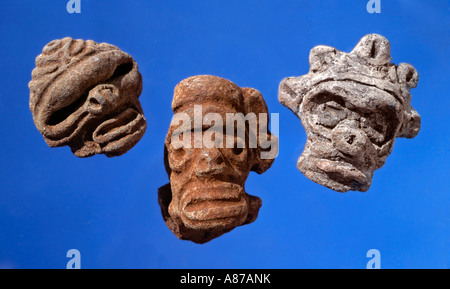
{"x":86,"y":95}
{"x":353,"y":106}
{"x":206,"y":195}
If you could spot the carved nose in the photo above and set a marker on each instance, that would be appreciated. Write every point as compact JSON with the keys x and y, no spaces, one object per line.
{"x":101,"y":99}
{"x":210,"y":162}
{"x":349,"y":140}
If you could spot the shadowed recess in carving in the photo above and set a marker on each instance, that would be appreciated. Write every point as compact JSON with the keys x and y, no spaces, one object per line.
{"x":63,"y":113}
{"x":122,"y":70}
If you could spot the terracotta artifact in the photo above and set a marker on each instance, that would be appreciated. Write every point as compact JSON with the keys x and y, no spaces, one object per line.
{"x":352,"y":106}
{"x":206,"y":196}
{"x":85,"y":95}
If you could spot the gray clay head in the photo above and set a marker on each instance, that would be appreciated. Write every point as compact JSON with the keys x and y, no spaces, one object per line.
{"x":352,"y":106}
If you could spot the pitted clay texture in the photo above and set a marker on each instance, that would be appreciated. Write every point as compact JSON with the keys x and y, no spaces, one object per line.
{"x":86,"y":95}
{"x":206,"y":196}
{"x":352,"y":106}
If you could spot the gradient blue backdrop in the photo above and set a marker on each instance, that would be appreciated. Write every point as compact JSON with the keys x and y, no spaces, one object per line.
{"x":51,"y":201}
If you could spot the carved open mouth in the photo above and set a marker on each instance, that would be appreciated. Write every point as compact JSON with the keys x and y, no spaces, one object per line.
{"x":215,"y":209}
{"x":345,"y":174}
{"x":209,"y":207}
{"x":120,"y":132}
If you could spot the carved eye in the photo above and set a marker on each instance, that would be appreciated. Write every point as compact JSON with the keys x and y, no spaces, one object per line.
{"x":177,"y":158}
{"x":376,"y":127}
{"x":122,"y":70}
{"x":328,"y":114}
{"x":180,"y":148}
{"x":237,"y":150}
{"x":62,"y":114}
{"x":178,"y":152}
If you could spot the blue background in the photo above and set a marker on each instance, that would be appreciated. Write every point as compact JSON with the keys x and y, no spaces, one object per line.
{"x":51,"y":201}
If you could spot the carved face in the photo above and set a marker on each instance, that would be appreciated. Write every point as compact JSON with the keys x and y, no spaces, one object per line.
{"x":85,"y":95}
{"x":208,"y":184}
{"x":351,"y":132}
{"x":206,"y":196}
{"x":353,"y":106}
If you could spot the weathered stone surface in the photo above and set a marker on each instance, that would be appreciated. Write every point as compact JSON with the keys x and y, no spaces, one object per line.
{"x":352,"y":106}
{"x":206,"y":196}
{"x":85,"y":95}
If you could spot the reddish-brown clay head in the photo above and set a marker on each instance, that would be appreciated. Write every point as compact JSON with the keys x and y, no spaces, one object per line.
{"x":206,"y":196}
{"x":353,"y":106}
{"x":86,"y":95}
